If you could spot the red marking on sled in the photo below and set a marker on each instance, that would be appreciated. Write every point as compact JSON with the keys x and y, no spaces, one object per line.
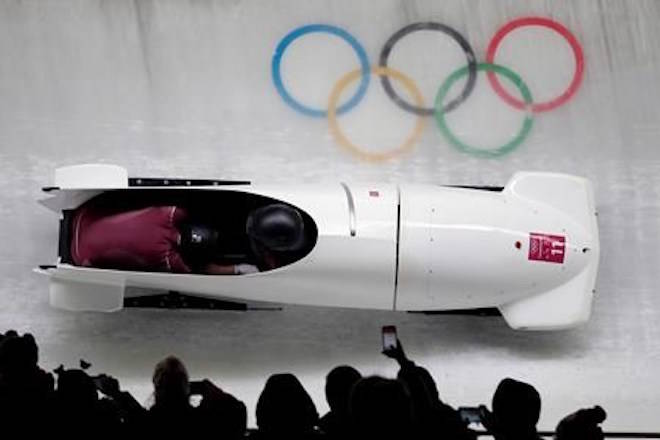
{"x":546,"y":247}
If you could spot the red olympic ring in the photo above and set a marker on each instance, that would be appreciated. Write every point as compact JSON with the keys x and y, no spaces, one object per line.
{"x":561,"y":30}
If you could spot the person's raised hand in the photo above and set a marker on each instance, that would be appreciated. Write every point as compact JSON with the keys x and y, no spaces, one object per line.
{"x":396,"y":352}
{"x":108,"y":385}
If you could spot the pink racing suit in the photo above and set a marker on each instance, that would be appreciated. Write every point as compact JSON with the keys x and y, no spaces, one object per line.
{"x":144,"y":239}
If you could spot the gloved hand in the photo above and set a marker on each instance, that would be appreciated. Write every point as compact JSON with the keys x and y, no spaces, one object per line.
{"x":396,"y":352}
{"x":244,"y":269}
{"x":108,"y":385}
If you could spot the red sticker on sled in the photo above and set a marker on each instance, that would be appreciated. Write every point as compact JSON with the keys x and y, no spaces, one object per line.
{"x":545,"y":247}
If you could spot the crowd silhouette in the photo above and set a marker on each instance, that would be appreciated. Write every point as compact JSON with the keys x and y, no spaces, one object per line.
{"x":70,"y":403}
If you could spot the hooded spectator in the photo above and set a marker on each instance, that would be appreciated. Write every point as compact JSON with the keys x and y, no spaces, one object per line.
{"x":338,"y":385}
{"x":381,"y":409}
{"x":285,"y":410}
{"x":516,"y":409}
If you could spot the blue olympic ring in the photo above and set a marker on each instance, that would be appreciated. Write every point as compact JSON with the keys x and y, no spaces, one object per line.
{"x":299,"y":32}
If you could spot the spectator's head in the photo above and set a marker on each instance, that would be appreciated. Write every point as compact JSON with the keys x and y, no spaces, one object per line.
{"x":516,"y":407}
{"x":11,"y":333}
{"x":582,"y":425}
{"x":224,"y":415}
{"x":338,"y":385}
{"x":30,"y":350}
{"x":75,"y":389}
{"x":171,"y":385}
{"x":284,"y":407}
{"x":381,"y":408}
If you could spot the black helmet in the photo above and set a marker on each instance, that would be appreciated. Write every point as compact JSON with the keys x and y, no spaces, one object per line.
{"x":199,"y":239}
{"x":277,"y":227}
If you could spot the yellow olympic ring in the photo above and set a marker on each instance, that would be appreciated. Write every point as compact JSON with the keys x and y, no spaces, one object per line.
{"x":350,"y":146}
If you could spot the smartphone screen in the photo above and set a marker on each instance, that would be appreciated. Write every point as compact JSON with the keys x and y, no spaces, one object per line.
{"x":470,"y":415}
{"x":389,"y":337}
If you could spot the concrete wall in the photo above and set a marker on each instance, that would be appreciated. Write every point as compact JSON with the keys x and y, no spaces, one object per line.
{"x":184,"y":88}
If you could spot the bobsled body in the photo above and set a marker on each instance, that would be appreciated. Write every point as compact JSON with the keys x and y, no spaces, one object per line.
{"x":530,"y":248}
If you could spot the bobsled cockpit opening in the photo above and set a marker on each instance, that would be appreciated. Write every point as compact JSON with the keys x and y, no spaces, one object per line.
{"x":231,"y":227}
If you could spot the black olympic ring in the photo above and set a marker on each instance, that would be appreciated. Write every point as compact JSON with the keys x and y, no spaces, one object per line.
{"x":432,"y":26}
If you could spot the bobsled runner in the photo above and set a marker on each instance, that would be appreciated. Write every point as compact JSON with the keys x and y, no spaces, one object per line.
{"x":529,"y":249}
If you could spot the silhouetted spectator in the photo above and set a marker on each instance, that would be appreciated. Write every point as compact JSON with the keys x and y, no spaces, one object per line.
{"x":434,"y":419}
{"x":128,"y":409}
{"x":516,"y":408}
{"x":220,"y":413}
{"x":381,"y":409}
{"x":338,"y":385}
{"x":19,"y":356}
{"x":172,"y":415}
{"x":285,"y":410}
{"x":582,"y":425}
{"x":78,"y":410}
{"x":26,"y":391}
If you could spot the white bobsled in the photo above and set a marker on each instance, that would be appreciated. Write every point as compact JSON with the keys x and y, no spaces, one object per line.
{"x":529,"y":249}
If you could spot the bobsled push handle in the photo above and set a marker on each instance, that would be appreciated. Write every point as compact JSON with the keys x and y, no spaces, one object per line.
{"x":81,"y":296}
{"x":91,"y":176}
{"x":351,"y":209}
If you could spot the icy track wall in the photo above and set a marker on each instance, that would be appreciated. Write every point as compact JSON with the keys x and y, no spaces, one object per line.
{"x":459,"y":92}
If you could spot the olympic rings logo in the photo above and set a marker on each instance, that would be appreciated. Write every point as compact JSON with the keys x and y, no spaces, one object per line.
{"x":440,"y":108}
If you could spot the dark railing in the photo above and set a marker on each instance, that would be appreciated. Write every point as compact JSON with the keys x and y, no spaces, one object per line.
{"x":551,"y":434}
{"x":609,"y":434}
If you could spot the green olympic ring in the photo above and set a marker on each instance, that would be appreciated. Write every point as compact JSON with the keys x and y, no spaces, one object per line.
{"x":462,"y":146}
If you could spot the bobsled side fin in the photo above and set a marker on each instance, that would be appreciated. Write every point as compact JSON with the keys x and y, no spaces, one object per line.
{"x":477,"y":187}
{"x":91,"y":176}
{"x":566,"y":306}
{"x":82,"y":296}
{"x":572,"y":195}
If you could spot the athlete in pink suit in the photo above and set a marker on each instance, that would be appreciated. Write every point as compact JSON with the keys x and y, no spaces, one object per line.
{"x":148,"y":239}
